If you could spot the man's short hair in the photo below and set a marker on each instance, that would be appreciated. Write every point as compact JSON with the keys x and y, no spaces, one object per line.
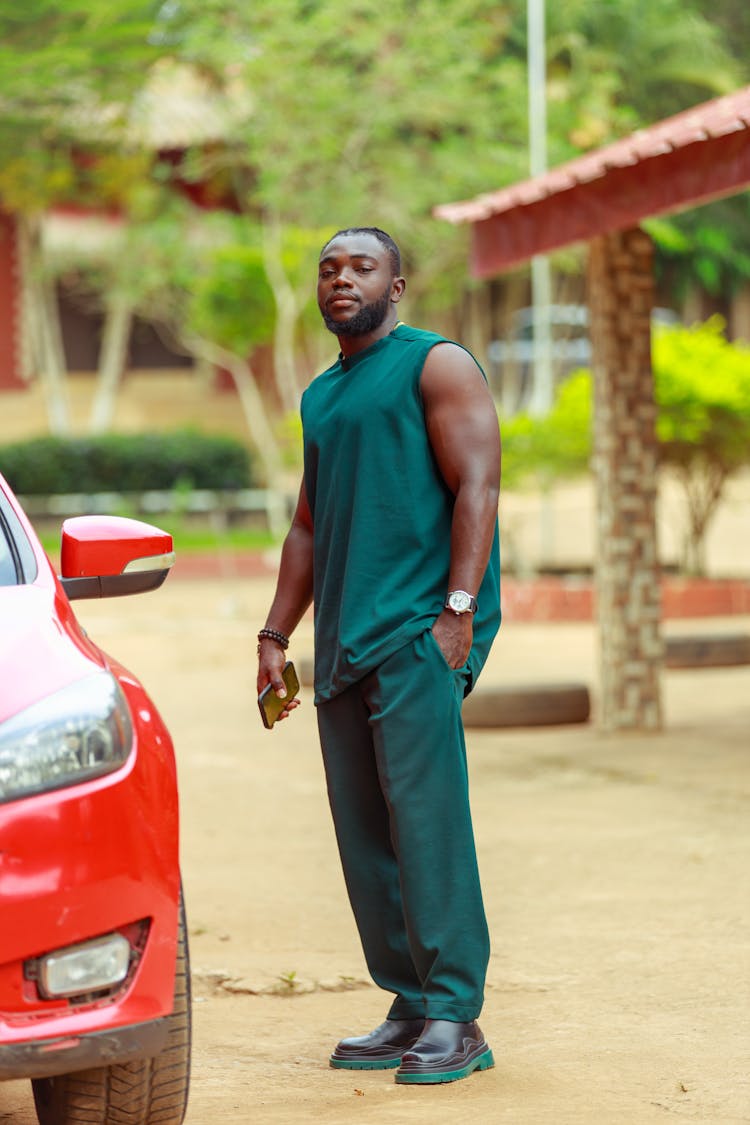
{"x":383,"y":238}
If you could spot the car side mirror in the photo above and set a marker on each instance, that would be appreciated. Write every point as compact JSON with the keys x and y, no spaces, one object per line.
{"x":109,"y":556}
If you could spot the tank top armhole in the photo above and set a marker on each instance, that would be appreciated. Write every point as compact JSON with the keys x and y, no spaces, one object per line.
{"x":434,"y":344}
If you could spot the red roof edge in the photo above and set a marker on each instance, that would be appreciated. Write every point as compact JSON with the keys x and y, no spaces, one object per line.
{"x":691,"y":158}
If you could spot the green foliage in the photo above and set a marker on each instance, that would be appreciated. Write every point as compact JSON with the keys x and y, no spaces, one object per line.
{"x":707,"y":247}
{"x":703,"y":395}
{"x":68,"y":69}
{"x":702,"y":386}
{"x":702,"y":392}
{"x":343,"y":112}
{"x":357,"y":118}
{"x":732,"y":17}
{"x":230,"y":300}
{"x":232,"y":303}
{"x":360,"y":115}
{"x":198,"y":273}
{"x":642,"y":61}
{"x":126,"y":463}
{"x":539,"y":450}
{"x":289,"y":435}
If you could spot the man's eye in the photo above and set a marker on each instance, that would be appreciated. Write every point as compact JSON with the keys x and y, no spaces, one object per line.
{"x":364,"y":269}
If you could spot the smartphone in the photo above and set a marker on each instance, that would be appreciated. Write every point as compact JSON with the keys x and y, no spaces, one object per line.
{"x":268,"y":701}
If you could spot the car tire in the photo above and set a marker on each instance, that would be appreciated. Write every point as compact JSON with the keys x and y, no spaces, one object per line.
{"x":150,"y":1091}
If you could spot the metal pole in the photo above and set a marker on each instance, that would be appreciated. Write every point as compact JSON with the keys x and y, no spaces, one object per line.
{"x":541,"y":283}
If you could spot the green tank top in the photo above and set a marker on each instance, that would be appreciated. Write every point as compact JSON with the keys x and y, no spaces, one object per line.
{"x":381,"y":514}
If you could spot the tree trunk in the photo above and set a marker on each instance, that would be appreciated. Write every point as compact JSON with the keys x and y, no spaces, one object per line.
{"x":43,"y":323}
{"x":703,"y":490}
{"x":257,"y":419}
{"x":692,"y":306}
{"x":740,"y":318}
{"x":287,"y":313}
{"x":111,"y":362}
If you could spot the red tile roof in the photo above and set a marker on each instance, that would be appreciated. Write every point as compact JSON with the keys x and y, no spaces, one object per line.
{"x":697,"y":155}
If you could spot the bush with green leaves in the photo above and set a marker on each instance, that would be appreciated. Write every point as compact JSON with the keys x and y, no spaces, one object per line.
{"x":702,"y":392}
{"x":127,"y":463}
{"x":702,"y":387}
{"x":540,"y":450}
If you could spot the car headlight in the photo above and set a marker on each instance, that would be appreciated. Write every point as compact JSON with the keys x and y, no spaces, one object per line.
{"x":80,"y":732}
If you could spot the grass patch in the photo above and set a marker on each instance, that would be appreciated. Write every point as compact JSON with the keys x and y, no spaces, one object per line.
{"x":245,"y":539}
{"x":192,"y":540}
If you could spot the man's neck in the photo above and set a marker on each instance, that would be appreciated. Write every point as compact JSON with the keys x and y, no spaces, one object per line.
{"x":350,"y":345}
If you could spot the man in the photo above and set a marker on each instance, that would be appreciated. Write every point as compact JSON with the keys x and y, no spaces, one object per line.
{"x":394,"y":539}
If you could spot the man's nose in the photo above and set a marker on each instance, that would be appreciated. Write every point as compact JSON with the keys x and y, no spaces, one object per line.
{"x":342,"y":281}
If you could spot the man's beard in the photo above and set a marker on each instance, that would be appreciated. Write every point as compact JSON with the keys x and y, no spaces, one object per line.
{"x":366,"y":319}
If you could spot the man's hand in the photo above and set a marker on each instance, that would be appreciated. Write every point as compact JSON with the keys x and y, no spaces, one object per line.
{"x":271,"y":661}
{"x":453,"y":633}
{"x":294,"y":591}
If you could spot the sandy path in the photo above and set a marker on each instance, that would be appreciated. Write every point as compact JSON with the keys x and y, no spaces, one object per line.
{"x":615,"y":875}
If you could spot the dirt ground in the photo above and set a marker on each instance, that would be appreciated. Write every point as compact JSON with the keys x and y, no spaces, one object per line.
{"x":615,"y":873}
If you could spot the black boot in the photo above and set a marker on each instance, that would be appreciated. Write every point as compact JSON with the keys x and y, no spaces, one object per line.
{"x":444,"y":1052}
{"x":380,"y":1050}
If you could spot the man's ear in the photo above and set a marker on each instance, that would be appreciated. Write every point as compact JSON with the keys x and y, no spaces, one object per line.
{"x":398,"y":285}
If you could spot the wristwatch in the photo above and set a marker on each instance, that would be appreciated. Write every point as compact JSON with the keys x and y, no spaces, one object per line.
{"x":460,"y":602}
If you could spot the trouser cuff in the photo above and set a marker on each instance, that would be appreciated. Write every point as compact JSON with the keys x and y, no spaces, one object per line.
{"x":403,"y":1010}
{"x":454,"y":1013}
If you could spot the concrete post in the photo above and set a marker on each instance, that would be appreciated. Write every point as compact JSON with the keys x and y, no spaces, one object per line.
{"x":621,"y":293}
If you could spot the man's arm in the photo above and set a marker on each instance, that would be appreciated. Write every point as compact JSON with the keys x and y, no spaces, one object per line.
{"x":465,"y":438}
{"x":294,"y":591}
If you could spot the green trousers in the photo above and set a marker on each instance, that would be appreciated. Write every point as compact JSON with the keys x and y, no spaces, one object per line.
{"x":395,"y":762}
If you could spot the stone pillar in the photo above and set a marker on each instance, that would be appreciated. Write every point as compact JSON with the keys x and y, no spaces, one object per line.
{"x":621,"y":292}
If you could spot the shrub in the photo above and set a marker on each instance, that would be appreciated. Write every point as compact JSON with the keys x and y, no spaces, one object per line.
{"x":702,"y":392}
{"x":127,"y":463}
{"x":703,"y":423}
{"x":541,"y":450}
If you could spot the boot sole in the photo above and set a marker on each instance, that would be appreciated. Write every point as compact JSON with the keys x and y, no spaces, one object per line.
{"x":485,"y":1061}
{"x":364,"y":1064}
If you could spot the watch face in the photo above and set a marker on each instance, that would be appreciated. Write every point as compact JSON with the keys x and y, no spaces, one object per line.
{"x":459,"y":601}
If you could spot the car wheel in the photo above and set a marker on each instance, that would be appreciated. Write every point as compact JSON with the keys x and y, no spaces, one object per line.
{"x":151,"y":1091}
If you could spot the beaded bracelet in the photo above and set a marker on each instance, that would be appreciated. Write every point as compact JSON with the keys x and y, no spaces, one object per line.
{"x":274,"y":635}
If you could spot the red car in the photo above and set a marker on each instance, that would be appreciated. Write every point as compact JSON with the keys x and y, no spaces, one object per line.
{"x":94,"y":974}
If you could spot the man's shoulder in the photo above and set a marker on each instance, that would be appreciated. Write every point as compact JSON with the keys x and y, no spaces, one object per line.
{"x":428,"y":340}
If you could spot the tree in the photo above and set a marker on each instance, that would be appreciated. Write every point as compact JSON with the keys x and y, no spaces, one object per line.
{"x":343,"y":112}
{"x":706,"y":250}
{"x":702,"y":392}
{"x":703,"y":422}
{"x":201,"y":278}
{"x":358,"y":118}
{"x":67,"y":70}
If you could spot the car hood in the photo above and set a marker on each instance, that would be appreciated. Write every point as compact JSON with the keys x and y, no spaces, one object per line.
{"x":38,"y":653}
